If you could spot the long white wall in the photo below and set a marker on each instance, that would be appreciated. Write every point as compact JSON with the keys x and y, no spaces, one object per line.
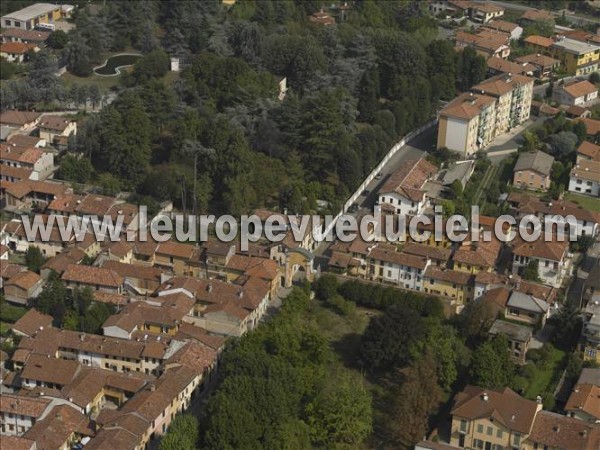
{"x":410,"y":136}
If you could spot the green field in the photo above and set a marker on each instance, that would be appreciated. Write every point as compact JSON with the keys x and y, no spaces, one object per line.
{"x":546,"y":375}
{"x":586,"y":202}
{"x":104,"y":83}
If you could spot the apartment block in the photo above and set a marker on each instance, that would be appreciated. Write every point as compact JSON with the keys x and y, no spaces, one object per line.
{"x":467,"y":124}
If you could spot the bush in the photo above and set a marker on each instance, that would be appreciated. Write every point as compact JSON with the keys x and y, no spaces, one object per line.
{"x":340,"y":305}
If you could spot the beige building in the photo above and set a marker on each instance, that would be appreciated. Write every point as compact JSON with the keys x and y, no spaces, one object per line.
{"x":514,"y":94}
{"x":490,"y":419}
{"x":532,"y":171}
{"x":466,"y":124}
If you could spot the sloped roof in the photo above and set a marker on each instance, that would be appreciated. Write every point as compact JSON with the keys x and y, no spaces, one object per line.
{"x":527,"y":302}
{"x":467,"y":106}
{"x":558,"y":431}
{"x":507,"y":407}
{"x":580,"y":88}
{"x":537,"y":161}
{"x":408,"y":181}
{"x":539,"y":40}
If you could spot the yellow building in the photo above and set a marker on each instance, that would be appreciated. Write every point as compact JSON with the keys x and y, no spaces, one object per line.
{"x":30,"y":17}
{"x":448,"y":283}
{"x":490,"y":419}
{"x":578,"y":58}
{"x":475,"y":257}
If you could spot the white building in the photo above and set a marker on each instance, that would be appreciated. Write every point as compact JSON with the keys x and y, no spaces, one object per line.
{"x":551,"y":258}
{"x":585,"y":178}
{"x":579,"y":93}
{"x":403,"y":192}
{"x":397,"y":268}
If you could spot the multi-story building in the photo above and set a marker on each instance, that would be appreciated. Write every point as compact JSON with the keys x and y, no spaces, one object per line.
{"x":578,"y":93}
{"x":466,"y":125}
{"x":397,"y":268}
{"x":532,"y":171}
{"x":551,"y":258}
{"x":578,"y":58}
{"x":585,"y":178}
{"x":403,"y":192}
{"x":491,"y":419}
{"x":591,"y":330}
{"x":514,"y":94}
{"x":544,"y":65}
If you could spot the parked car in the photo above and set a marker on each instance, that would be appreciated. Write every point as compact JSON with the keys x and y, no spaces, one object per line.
{"x":353,"y":208}
{"x":379,"y":176}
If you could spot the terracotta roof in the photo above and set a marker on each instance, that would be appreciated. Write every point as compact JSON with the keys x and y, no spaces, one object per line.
{"x":482,"y":253}
{"x":592,"y":126}
{"x":27,"y":35}
{"x":585,"y":398}
{"x":54,"y":123}
{"x":448,"y":275}
{"x":503,"y":65}
{"x":22,"y":154}
{"x":134,"y":271}
{"x":50,"y":370}
{"x":539,"y":41}
{"x":496,"y":297}
{"x":576,"y":111}
{"x":340,"y":259}
{"x":92,"y":275}
{"x":16,"y":48}
{"x":501,"y":25}
{"x":528,"y":204}
{"x":580,"y":88}
{"x":321,"y":18}
{"x":10,"y":270}
{"x":408,"y":181}
{"x":31,"y":322}
{"x":176,"y":250}
{"x":22,"y":405}
{"x":24,"y":187}
{"x":19,"y":173}
{"x":589,"y":150}
{"x":557,"y":431}
{"x":54,"y":430}
{"x":24,"y":280}
{"x":266,"y":269}
{"x":399,"y":258}
{"x":18,"y":443}
{"x":61,"y":261}
{"x":467,"y":106}
{"x":19,"y":118}
{"x":501,"y":84}
{"x":553,"y":251}
{"x":23,"y":140}
{"x":537,"y":15}
{"x":546,"y":293}
{"x":65,"y":203}
{"x":126,"y":210}
{"x":111,"y":299}
{"x":485,"y":39}
{"x":587,"y":170}
{"x":486,"y":7}
{"x":506,"y":407}
{"x":120,"y":438}
{"x":194,"y":356}
{"x":94,"y":204}
{"x":490,"y":278}
{"x":538,"y":60}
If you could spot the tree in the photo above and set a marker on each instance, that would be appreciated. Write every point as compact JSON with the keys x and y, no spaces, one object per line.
{"x":368,"y":97}
{"x":153,"y":65}
{"x":491,"y":367}
{"x":52,"y":299}
{"x":413,"y":401}
{"x":7,"y":69}
{"x":75,"y":169}
{"x":34,"y":258}
{"x":390,"y":339}
{"x":471,"y":69}
{"x":531,"y":272}
{"x":341,"y":413}
{"x":550,"y":89}
{"x":594,"y":77}
{"x":78,"y":57}
{"x":182,"y":434}
{"x":58,"y":40}
{"x":326,"y":286}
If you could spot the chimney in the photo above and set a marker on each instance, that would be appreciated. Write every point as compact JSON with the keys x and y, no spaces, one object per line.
{"x":485,"y":397}
{"x":209,"y":288}
{"x":538,"y":399}
{"x":240,"y":294}
{"x":152,"y":388}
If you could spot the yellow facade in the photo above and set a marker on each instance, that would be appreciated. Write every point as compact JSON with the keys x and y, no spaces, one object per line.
{"x":470,"y":433}
{"x":458,"y":292}
{"x":574,"y":64}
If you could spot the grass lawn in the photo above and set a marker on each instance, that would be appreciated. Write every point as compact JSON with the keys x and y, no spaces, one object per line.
{"x":4,"y":327}
{"x":545,"y":376}
{"x":586,"y":202}
{"x":104,"y":83}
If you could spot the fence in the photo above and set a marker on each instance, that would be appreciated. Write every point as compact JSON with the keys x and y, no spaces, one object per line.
{"x":378,"y":168}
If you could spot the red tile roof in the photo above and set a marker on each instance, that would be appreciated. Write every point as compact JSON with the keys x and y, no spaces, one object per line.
{"x":408,"y":181}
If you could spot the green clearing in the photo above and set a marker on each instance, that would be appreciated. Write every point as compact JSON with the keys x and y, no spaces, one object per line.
{"x":589,"y":203}
{"x":545,"y":375}
{"x":104,"y":83}
{"x":4,"y":327}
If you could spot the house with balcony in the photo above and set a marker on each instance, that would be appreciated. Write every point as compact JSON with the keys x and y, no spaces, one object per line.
{"x":389,"y":266}
{"x":449,"y":283}
{"x":551,"y":258}
{"x":544,"y":65}
{"x":591,"y":330}
{"x":39,"y":163}
{"x":527,"y":308}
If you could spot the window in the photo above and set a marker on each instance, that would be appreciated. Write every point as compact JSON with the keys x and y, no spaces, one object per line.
{"x":517,"y":439}
{"x":480,"y":428}
{"x":478,"y":443}
{"x":499,"y":433}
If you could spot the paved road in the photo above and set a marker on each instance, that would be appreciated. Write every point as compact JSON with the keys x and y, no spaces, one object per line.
{"x":573,"y":18}
{"x":412,"y":150}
